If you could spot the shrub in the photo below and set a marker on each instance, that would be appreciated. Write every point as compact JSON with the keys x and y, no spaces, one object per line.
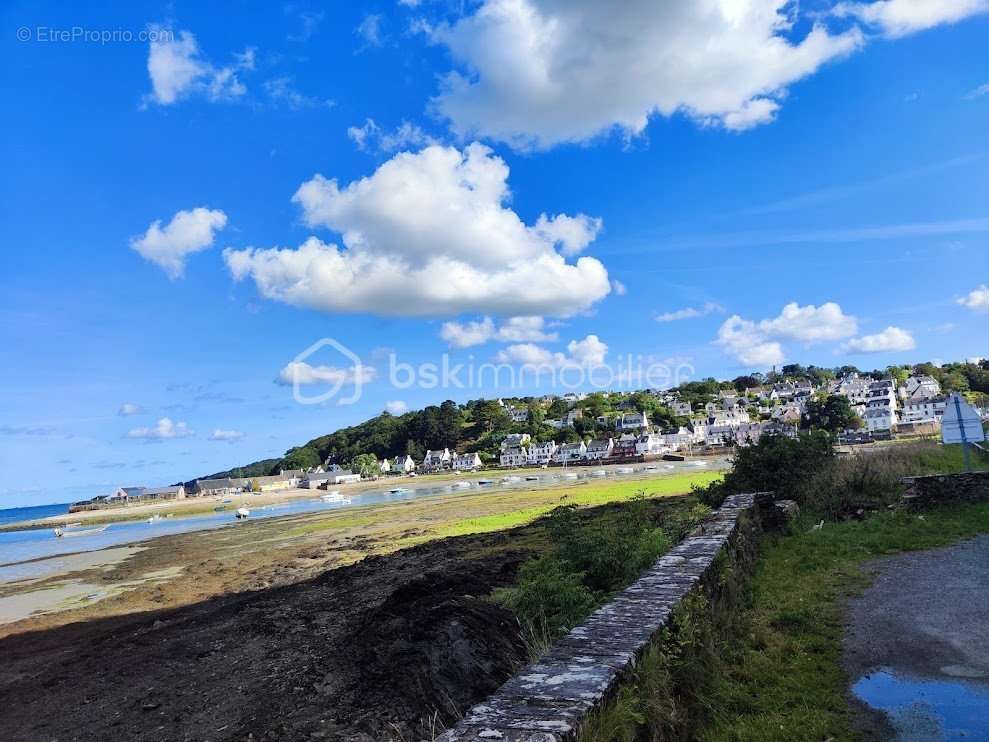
{"x":776,"y":463}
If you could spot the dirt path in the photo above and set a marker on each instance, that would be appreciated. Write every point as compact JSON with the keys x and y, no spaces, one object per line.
{"x":917,"y":645}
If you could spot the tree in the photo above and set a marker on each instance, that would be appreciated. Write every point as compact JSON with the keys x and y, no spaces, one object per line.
{"x":490,"y":416}
{"x":536,"y":416}
{"x":833,"y":413}
{"x":304,"y":457}
{"x":365,"y":464}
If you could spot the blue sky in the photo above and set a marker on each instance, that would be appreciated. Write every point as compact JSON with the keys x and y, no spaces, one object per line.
{"x":678,"y":183}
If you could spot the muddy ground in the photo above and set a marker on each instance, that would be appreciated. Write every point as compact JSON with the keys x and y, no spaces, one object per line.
{"x":374,"y":651}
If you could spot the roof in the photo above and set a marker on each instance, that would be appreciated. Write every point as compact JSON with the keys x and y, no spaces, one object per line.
{"x":172,"y":489}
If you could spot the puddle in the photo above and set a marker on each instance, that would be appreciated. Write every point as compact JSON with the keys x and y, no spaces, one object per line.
{"x":928,"y":709}
{"x":73,"y":593}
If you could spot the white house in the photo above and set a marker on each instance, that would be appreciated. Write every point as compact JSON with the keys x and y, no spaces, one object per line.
{"x":570,"y":452}
{"x":515,"y":456}
{"x":879,"y":417}
{"x":600,"y":448}
{"x":436,"y":460}
{"x":519,"y":414}
{"x":650,"y":444}
{"x":403,"y":464}
{"x":384,"y":466}
{"x":681,"y":409}
{"x":633,"y":421}
{"x":854,"y":387}
{"x":918,"y":388}
{"x":467,"y":461}
{"x":923,"y":410}
{"x":541,"y":453}
{"x":676,"y":438}
{"x":515,"y":440}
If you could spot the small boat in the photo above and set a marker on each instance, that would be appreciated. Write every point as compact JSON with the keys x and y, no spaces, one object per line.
{"x":624,"y":470}
{"x":333,"y":496}
{"x":242,"y":513}
{"x":698,"y":463}
{"x":397,"y":490}
{"x":485,"y":481}
{"x":669,"y":466}
{"x":461,"y":485}
{"x":599,"y":473}
{"x":62,"y":533}
{"x":672,"y":457}
{"x":154,"y":518}
{"x":570,"y":475}
{"x":219,"y":508}
{"x":532,"y":479}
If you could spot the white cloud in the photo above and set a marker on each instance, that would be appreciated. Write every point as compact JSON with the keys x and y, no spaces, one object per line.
{"x":226,"y":435}
{"x":902,"y":17}
{"x":978,"y":92}
{"x":283,"y":90}
{"x":890,"y":339}
{"x":129,"y":408}
{"x":618,"y":287}
{"x":427,"y":234}
{"x":369,"y":29}
{"x":590,"y":351}
{"x":573,"y":233}
{"x":810,"y":324}
{"x":188,"y":232}
{"x":396,"y":407}
{"x":512,"y":330}
{"x":690,"y":312}
{"x":759,"y":343}
{"x":371,"y":136}
{"x":301,"y":373}
{"x":743,"y":339}
{"x":165,"y":429}
{"x":178,"y":70}
{"x":977,"y":299}
{"x":535,"y":73}
{"x":464,"y":335}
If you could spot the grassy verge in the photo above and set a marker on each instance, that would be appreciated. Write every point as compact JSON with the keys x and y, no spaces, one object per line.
{"x":582,"y":495}
{"x":781,"y":677}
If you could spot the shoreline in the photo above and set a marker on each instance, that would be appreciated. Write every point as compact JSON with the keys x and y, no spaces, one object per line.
{"x":193,"y":506}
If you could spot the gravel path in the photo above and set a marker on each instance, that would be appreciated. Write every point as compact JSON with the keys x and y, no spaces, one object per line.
{"x":925,"y":619}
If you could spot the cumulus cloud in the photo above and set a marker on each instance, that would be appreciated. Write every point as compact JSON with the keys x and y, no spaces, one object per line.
{"x":590,"y":351}
{"x":760,"y":343}
{"x":690,"y":312}
{"x":129,"y":408}
{"x":896,"y":18}
{"x":396,"y":407}
{"x":165,"y":429}
{"x":890,"y":339}
{"x":535,"y":73}
{"x":977,"y":299}
{"x":187,"y":232}
{"x":178,"y":70}
{"x":301,"y":373}
{"x":512,"y":330}
{"x":219,"y":434}
{"x":428,"y":234}
{"x":370,"y":136}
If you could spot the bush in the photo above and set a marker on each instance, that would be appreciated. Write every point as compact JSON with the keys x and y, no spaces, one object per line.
{"x":776,"y":463}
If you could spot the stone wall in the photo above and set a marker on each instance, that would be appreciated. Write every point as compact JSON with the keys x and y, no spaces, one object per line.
{"x":939,"y":489}
{"x":550,"y":700}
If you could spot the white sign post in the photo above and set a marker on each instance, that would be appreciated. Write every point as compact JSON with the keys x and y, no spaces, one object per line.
{"x":961,"y":424}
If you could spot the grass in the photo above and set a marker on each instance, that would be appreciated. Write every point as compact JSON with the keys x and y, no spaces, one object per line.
{"x":782,"y":677}
{"x":582,"y":495}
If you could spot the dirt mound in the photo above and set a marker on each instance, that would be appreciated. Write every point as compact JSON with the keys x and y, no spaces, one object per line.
{"x":376,"y":651}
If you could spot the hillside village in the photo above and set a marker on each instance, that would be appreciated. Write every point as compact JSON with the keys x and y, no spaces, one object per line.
{"x":577,"y":428}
